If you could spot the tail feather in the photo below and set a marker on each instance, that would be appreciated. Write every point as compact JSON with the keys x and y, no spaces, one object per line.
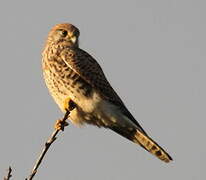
{"x":151,"y":146}
{"x":144,"y":141}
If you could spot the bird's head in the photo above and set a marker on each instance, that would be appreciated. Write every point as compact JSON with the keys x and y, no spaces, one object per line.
{"x":66,"y":34}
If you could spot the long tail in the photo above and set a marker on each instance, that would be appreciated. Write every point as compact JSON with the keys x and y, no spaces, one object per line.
{"x":145,"y":141}
{"x":151,"y":146}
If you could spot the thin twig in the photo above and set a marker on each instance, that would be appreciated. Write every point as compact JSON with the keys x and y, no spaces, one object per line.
{"x":46,"y":147}
{"x":9,"y":174}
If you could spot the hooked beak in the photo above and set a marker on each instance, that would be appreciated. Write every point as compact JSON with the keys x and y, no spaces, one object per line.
{"x":74,"y":39}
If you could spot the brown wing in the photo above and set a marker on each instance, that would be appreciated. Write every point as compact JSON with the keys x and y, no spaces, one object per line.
{"x":88,"y":68}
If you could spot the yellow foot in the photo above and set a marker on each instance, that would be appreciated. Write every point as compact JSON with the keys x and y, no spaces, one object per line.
{"x":60,"y":124}
{"x":69,"y":105}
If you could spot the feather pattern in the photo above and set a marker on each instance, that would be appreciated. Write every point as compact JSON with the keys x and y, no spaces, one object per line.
{"x":88,"y":68}
{"x":71,"y":73}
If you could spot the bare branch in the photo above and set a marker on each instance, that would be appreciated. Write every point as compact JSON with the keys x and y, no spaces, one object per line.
{"x":9,"y":174}
{"x":46,"y":147}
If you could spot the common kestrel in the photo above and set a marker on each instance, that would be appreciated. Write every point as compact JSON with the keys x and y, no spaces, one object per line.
{"x":71,"y":73}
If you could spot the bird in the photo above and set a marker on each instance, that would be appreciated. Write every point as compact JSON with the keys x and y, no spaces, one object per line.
{"x":73,"y":75}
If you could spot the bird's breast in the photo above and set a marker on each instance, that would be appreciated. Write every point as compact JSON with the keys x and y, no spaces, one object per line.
{"x":63,"y":82}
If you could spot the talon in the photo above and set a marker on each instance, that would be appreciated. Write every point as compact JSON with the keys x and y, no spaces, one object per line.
{"x":60,"y":124}
{"x":69,"y":104}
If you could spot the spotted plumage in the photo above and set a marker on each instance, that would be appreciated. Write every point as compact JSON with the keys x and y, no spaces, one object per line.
{"x":71,"y":73}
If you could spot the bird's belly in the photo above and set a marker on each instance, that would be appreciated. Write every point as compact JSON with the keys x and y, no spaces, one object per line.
{"x":103,"y":114}
{"x":91,"y":108}
{"x":89,"y":111}
{"x":63,"y":88}
{"x":88,"y":101}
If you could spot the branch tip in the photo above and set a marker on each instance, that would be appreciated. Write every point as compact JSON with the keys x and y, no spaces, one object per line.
{"x":48,"y":143}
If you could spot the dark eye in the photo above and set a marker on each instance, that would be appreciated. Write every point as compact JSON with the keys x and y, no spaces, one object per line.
{"x":64,"y":33}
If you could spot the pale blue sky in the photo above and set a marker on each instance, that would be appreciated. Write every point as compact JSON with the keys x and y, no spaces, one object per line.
{"x":152,"y":52}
